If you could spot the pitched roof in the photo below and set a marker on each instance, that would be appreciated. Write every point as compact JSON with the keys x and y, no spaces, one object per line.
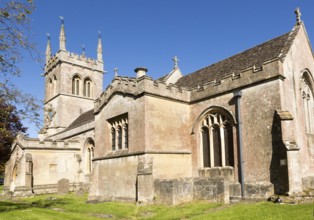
{"x":275,"y":48}
{"x":83,"y":119}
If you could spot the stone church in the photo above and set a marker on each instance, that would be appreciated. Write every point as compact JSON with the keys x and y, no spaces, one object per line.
{"x":241,"y":127}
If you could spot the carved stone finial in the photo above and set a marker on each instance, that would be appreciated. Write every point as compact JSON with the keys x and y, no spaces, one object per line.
{"x":62,"y":38}
{"x":48,"y":49}
{"x":83,"y":50}
{"x":99,"y":48}
{"x":298,"y":16}
{"x":62,"y":19}
{"x":175,"y":60}
{"x":115,"y":71}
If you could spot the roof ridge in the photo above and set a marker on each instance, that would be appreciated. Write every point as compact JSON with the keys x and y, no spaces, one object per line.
{"x":254,"y":56}
{"x":289,"y":41}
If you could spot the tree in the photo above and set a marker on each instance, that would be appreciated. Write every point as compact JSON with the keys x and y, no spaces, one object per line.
{"x":14,"y":40}
{"x":14,"y":31}
{"x":14,"y":104}
{"x":10,"y":126}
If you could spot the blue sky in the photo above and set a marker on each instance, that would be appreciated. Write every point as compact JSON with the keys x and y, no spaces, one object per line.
{"x":150,"y":33}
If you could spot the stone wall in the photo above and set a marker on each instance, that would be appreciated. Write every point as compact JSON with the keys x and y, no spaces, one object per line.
{"x":300,"y":157}
{"x":176,"y":191}
{"x":308,"y":185}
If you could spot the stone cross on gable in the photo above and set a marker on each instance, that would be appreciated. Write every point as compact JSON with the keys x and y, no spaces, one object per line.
{"x":115,"y":71}
{"x":175,"y":60}
{"x":298,"y":15}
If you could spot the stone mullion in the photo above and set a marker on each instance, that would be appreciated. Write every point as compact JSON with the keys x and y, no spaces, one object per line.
{"x":211,"y":146}
{"x":201,"y":157}
{"x":222,"y":145}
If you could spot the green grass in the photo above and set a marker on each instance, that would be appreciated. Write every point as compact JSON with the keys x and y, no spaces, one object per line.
{"x":54,"y":207}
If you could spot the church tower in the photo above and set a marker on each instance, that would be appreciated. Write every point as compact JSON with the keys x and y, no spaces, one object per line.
{"x":72,"y":84}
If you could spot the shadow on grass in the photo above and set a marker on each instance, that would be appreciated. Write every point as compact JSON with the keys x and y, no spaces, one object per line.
{"x":7,"y":206}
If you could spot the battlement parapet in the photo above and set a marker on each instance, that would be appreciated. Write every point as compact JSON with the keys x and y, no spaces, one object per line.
{"x":35,"y":143}
{"x":74,"y":59}
{"x":228,"y":83}
{"x":138,"y":86}
{"x":231,"y":82}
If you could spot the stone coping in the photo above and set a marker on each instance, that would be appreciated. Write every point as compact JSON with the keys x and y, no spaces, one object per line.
{"x":125,"y":153}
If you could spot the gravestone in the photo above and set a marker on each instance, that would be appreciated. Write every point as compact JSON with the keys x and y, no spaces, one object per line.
{"x":80,"y":192}
{"x":63,"y":186}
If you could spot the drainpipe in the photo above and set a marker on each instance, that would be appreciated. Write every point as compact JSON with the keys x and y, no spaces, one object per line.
{"x":237,"y":95}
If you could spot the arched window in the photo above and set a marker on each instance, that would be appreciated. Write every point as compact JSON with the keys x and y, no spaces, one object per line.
{"x":119,"y":132}
{"x":76,"y":85}
{"x":87,"y":87}
{"x":126,"y":136}
{"x":217,"y":145}
{"x":217,"y":140}
{"x":205,"y":142}
{"x":50,"y":88}
{"x":54,"y":89}
{"x":308,"y":101}
{"x":119,"y":137}
{"x":228,"y":135}
{"x":89,"y":155}
{"x":113,"y":138}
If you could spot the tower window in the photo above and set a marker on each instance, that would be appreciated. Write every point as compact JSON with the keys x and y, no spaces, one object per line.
{"x":54,"y":89}
{"x":87,"y":87}
{"x":76,"y":85}
{"x":50,"y":89}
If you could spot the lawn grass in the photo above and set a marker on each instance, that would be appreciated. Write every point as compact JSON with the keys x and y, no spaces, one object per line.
{"x":55,"y":207}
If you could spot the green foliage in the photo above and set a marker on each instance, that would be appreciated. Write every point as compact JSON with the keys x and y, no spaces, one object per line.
{"x":14,"y":19}
{"x":10,"y":126}
{"x":15,"y":38}
{"x":54,"y":207}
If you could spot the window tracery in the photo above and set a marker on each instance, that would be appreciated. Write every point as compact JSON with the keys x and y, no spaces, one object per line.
{"x":308,"y":102}
{"x":217,"y":140}
{"x":87,"y":87}
{"x":89,"y":155}
{"x":76,"y":85}
{"x":119,"y":132}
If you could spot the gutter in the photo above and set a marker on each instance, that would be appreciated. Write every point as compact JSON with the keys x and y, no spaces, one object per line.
{"x":237,"y":95}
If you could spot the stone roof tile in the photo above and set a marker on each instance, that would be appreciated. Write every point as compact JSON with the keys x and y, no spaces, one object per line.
{"x":256,"y":56}
{"x":83,"y":119}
